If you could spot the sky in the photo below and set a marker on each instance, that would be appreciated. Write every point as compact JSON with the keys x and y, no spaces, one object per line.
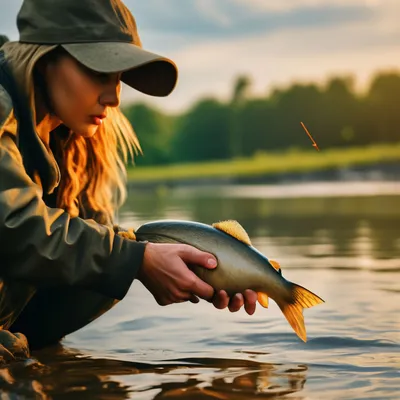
{"x":274,"y":42}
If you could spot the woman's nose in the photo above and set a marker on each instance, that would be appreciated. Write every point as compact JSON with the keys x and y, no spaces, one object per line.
{"x":110,"y":96}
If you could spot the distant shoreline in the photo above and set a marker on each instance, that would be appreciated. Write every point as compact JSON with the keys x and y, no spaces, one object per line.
{"x":365,"y":163}
{"x":382,"y":172}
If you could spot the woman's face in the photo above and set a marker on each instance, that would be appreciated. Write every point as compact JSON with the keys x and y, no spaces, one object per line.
{"x":80,"y":97}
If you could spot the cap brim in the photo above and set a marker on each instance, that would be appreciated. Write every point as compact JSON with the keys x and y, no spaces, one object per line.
{"x":147,"y":72}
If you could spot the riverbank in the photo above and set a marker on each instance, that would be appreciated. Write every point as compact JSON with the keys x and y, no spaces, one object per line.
{"x":377,"y":161}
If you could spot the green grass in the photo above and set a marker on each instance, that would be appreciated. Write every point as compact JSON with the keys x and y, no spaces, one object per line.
{"x":270,"y":163}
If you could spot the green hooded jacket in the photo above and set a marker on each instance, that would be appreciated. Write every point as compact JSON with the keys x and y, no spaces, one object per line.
{"x":41,"y":246}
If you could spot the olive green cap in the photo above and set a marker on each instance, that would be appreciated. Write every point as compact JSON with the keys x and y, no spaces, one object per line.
{"x":100,"y":34}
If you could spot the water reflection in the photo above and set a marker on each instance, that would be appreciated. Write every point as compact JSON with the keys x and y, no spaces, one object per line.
{"x":60,"y":371}
{"x":364,"y":227}
{"x":346,"y":248}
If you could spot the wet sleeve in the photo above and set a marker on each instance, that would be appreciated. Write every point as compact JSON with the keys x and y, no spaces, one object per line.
{"x":46,"y":247}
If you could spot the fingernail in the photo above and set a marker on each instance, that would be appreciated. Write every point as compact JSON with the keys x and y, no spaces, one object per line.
{"x":212,"y":262}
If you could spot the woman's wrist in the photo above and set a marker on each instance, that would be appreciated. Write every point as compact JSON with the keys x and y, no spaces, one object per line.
{"x":143,"y":267}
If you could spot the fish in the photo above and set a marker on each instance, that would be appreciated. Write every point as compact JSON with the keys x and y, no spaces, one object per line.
{"x":240,"y":265}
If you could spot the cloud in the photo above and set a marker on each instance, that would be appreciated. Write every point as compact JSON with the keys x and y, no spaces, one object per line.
{"x":174,"y":24}
{"x":308,"y":53}
{"x":274,"y":42}
{"x":213,"y":19}
{"x":289,"y":5}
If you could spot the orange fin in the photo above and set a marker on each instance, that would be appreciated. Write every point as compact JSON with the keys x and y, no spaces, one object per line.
{"x":234,"y":229}
{"x":263,"y":299}
{"x":301,"y":298}
{"x":276,"y":265}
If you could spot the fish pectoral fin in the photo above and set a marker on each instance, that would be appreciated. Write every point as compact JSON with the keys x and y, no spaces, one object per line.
{"x":234,"y":229}
{"x":276,"y":265}
{"x":263,"y":299}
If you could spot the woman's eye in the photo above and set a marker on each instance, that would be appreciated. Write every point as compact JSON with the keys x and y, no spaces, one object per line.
{"x":106,"y":78}
{"x":102,"y":77}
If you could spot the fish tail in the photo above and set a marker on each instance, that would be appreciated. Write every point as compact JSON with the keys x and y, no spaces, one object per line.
{"x":293,"y":311}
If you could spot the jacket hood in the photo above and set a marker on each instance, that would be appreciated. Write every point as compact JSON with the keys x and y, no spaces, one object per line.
{"x":21,"y":59}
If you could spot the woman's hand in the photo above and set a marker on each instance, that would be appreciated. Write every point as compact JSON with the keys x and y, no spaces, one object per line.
{"x":165,"y":274}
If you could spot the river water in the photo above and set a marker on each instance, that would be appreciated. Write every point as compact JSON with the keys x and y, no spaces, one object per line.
{"x":340,"y":240}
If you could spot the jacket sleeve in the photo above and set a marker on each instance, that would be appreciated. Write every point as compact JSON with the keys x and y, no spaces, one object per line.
{"x":46,"y":247}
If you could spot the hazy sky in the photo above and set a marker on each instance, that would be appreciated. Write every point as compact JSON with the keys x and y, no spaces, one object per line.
{"x":275,"y":42}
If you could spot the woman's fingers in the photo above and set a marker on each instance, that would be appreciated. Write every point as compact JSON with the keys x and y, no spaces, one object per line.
{"x":201,"y":289}
{"x":191,"y":255}
{"x":250,"y":301}
{"x":236,"y":302}
{"x":194,"y":299}
{"x":221,"y":300}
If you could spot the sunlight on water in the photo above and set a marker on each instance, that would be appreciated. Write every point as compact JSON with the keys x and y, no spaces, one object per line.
{"x":344,"y":247}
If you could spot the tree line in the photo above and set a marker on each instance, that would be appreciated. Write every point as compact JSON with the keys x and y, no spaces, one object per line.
{"x":334,"y":112}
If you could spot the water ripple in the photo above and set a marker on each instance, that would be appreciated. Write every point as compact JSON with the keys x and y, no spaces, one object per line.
{"x":336,"y":342}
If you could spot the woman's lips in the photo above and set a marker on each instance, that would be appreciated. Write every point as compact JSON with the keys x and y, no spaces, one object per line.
{"x":97,"y":119}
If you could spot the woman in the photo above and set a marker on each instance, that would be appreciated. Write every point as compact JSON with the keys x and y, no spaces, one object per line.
{"x":63,"y":263}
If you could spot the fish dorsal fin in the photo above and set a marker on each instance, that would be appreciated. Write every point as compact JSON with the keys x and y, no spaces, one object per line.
{"x":262,"y":299}
{"x":234,"y":229}
{"x":276,"y":265}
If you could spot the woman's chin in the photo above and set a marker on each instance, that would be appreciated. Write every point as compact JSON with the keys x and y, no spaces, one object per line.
{"x":86,"y":131}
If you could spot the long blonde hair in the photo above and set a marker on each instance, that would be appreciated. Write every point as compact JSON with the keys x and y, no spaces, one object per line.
{"x":93,"y":170}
